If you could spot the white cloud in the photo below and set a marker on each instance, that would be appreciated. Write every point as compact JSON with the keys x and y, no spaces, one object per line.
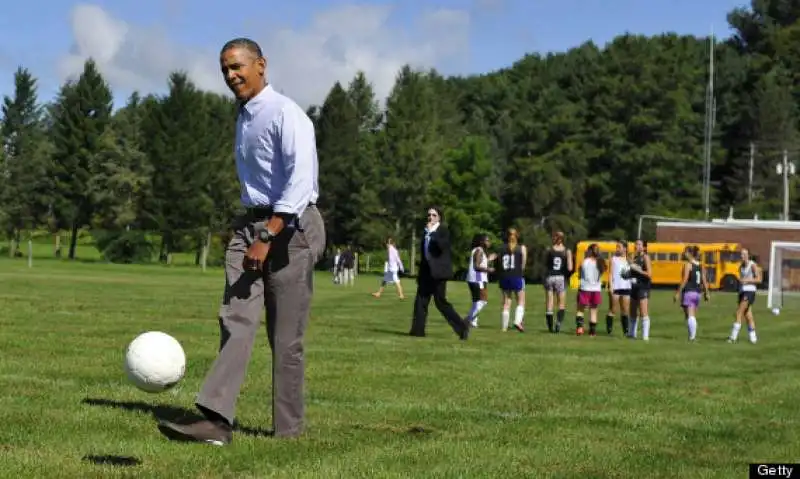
{"x":304,"y":62}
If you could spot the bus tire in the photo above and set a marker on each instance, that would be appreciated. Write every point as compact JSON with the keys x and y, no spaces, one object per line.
{"x":729,"y":283}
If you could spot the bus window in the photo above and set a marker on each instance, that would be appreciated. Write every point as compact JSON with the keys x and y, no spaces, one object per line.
{"x":730,"y":256}
{"x":605,"y":254}
{"x":674,"y":257}
{"x":661,"y":256}
{"x":710,"y":258}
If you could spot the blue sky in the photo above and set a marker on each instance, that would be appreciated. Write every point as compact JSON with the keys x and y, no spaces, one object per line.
{"x":315,"y":42}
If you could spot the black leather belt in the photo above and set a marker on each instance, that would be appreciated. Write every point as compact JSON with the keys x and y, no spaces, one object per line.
{"x":265,"y":211}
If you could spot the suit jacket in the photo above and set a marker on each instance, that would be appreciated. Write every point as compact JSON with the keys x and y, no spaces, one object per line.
{"x":440,"y":265}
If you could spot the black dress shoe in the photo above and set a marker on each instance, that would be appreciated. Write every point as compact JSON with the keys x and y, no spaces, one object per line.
{"x":209,"y":432}
{"x":464,"y":334}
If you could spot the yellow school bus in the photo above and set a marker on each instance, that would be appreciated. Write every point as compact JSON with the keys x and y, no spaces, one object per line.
{"x":720,"y":262}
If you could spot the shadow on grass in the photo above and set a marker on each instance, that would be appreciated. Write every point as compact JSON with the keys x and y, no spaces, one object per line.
{"x":393,"y":332}
{"x":109,"y":460}
{"x":166,"y":412}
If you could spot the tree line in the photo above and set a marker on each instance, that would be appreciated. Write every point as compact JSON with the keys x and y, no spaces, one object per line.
{"x":582,"y":141}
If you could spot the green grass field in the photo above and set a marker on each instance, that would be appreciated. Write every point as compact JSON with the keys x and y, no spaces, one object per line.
{"x":382,"y":404}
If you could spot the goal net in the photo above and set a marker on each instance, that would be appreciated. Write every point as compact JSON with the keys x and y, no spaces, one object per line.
{"x":784,"y":275}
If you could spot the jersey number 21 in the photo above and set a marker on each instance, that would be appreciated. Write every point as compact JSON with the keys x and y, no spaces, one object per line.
{"x":508,"y":262}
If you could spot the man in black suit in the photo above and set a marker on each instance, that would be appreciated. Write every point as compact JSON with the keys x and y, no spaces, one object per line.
{"x":436,"y":267}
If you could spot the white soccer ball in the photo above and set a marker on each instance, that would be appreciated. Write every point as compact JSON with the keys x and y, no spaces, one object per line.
{"x":155,"y":361}
{"x":776,"y":311}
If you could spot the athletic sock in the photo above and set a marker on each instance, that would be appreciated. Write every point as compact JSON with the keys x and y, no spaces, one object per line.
{"x":506,"y":317}
{"x":519,"y":314}
{"x":735,"y":331}
{"x":579,"y":320}
{"x":634,"y":327}
{"x":625,"y":323}
{"x":692,"y":324}
{"x":549,"y":319}
{"x":609,"y":322}
{"x":477,"y":306}
{"x":592,"y":328}
{"x":751,"y":332}
{"x":560,"y":319}
{"x":646,"y":328}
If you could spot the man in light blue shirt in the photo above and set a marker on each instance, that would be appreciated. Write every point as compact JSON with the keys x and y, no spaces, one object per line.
{"x":270,"y":259}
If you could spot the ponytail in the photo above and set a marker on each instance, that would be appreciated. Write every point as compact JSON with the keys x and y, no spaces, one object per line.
{"x":513,"y":239}
{"x":594,"y":252}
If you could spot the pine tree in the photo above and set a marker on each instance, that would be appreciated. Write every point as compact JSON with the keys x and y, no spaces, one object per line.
{"x":25,"y":194}
{"x":83,"y":113}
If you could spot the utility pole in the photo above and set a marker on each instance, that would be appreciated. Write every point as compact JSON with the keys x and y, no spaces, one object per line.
{"x":709,"y":129}
{"x":750,"y":173}
{"x":785,"y":168}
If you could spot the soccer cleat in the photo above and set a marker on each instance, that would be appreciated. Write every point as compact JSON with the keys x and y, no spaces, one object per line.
{"x":579,"y":331}
{"x":520,"y":327}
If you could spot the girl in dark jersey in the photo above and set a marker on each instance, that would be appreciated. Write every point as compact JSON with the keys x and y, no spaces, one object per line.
{"x":558,"y":262}
{"x":693,"y":282}
{"x":641,"y":270}
{"x":511,"y":267}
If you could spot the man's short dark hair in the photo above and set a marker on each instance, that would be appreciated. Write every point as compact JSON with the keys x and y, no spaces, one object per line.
{"x":245,"y":43}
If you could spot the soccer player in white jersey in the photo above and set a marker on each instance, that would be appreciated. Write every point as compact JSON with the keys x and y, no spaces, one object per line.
{"x":478,"y":275}
{"x":391,"y":270}
{"x":750,"y":277}
{"x":591,"y":287}
{"x":619,"y":289}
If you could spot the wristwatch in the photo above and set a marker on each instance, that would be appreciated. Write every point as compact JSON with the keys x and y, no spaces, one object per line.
{"x":265,"y":235}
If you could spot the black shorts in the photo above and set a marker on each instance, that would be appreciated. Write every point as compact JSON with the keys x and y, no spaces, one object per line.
{"x":621,"y":292}
{"x":638,"y":294}
{"x":475,"y":290}
{"x":749,"y":296}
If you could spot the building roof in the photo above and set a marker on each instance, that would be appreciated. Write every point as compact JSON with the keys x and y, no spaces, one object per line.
{"x":732,"y":224}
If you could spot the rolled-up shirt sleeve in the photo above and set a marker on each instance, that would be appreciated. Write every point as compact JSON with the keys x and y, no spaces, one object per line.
{"x":298,"y":149}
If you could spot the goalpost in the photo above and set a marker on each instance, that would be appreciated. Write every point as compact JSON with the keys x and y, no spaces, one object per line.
{"x":784,"y":273}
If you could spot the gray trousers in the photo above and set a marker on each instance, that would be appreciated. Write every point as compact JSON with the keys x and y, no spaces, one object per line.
{"x":285,"y":288}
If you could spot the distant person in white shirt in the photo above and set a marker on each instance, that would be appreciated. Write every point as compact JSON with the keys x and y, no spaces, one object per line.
{"x":391,"y":269}
{"x":591,"y":285}
{"x":270,"y":258}
{"x":619,"y":289}
{"x":337,"y":271}
{"x":478,"y":275}
{"x":750,"y":276}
